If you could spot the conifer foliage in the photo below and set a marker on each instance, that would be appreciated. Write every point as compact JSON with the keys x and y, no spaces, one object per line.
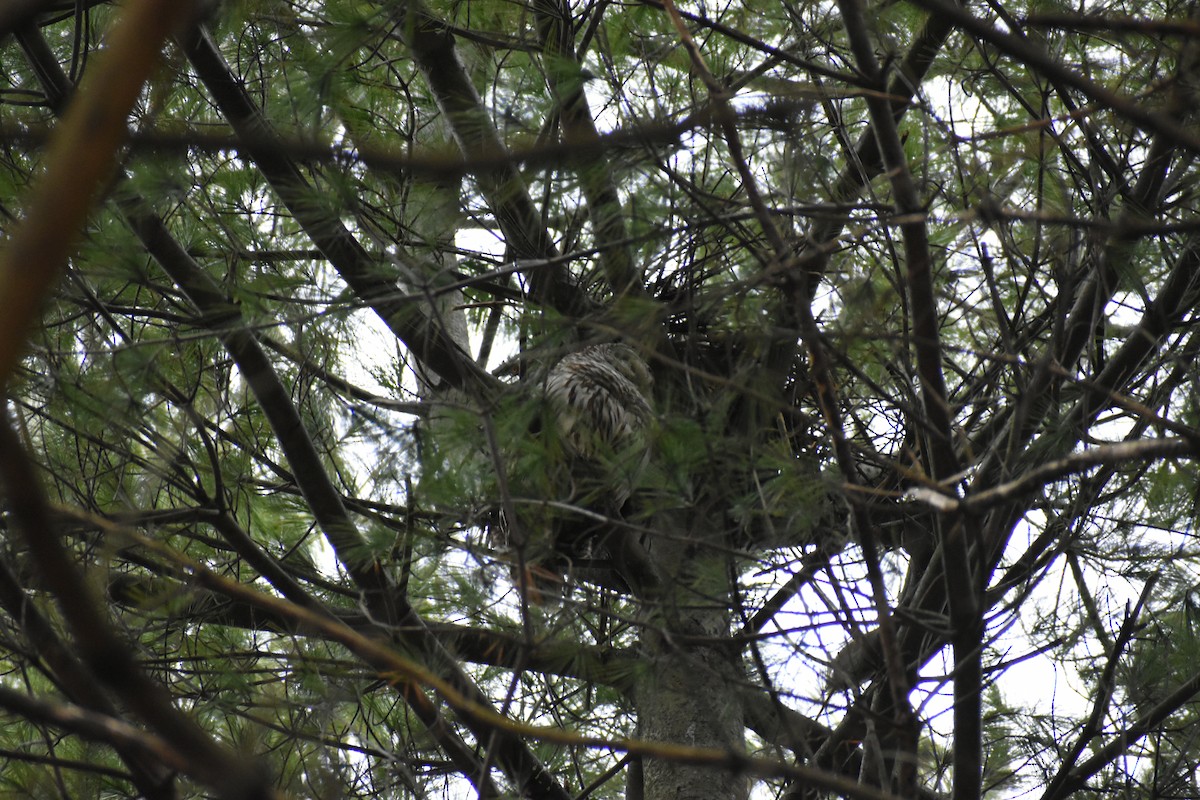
{"x":546,"y":399}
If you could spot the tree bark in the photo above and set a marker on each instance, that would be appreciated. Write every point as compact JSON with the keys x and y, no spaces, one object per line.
{"x":685,"y":694}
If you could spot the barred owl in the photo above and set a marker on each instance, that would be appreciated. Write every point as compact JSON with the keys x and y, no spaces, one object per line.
{"x":599,"y":395}
{"x":598,"y":404}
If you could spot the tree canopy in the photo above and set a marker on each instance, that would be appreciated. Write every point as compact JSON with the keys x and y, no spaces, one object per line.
{"x":907,"y":510}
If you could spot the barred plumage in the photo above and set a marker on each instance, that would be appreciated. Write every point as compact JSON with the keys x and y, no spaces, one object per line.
{"x":599,"y":396}
{"x":598,"y":407}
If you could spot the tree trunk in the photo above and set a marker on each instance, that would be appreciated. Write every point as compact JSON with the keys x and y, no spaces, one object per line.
{"x":685,"y":695}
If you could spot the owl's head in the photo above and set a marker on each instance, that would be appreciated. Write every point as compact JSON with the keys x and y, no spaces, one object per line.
{"x":627,"y":361}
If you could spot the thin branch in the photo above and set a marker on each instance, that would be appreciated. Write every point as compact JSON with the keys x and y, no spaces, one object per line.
{"x":1123,"y":740}
{"x":1065,"y":778}
{"x":149,"y":775}
{"x":963,"y":590}
{"x":726,"y":119}
{"x":81,"y":156}
{"x":1165,"y":125}
{"x":406,"y":672}
{"x":433,"y":47}
{"x":223,"y":317}
{"x":431,"y":344}
{"x":666,"y":134}
{"x":108,"y":658}
{"x":565,"y":77}
{"x":1037,"y":478}
{"x":97,"y":727}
